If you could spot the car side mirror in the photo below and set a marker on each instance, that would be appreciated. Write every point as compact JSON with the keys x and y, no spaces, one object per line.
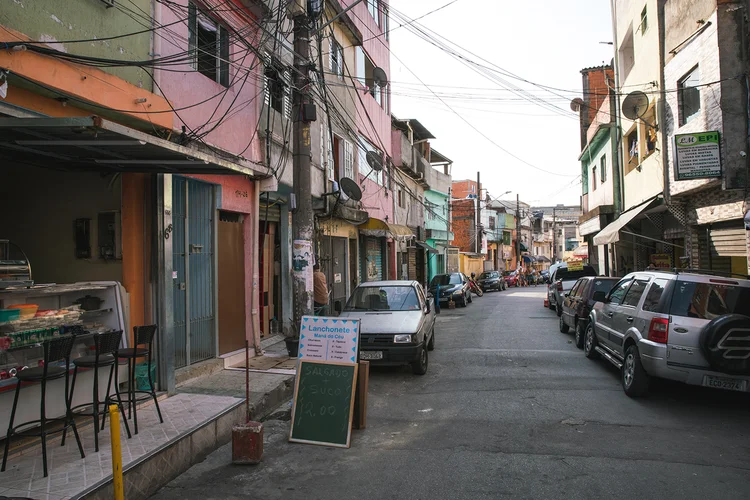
{"x":600,"y":296}
{"x":337,"y":306}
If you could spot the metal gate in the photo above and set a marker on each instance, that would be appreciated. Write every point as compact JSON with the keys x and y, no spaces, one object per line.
{"x":193,"y":261}
{"x":334,"y":265}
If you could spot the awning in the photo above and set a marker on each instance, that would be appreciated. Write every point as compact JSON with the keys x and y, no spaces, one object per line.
{"x":427,"y":247}
{"x":581,"y":251}
{"x":542,"y":258}
{"x":523,"y":248}
{"x":382,"y":229}
{"x":611,"y":233}
{"x":527,"y":258}
{"x":94,"y":144}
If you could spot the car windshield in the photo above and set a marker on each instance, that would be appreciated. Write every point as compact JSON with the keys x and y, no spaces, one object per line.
{"x":445,"y":280}
{"x":383,"y":298}
{"x":565,"y":275}
{"x":485,"y":276}
{"x":708,"y":300}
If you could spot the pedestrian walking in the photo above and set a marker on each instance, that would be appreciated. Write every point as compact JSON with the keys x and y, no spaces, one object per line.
{"x":320,"y":291}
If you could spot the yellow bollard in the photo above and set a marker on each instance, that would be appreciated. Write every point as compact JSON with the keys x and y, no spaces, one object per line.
{"x":114,"y":430}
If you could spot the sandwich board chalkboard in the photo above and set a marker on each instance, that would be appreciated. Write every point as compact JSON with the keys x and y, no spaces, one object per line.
{"x":323,"y":403}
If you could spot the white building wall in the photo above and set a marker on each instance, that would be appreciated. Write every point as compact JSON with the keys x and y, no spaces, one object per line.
{"x":646,"y":181}
{"x":702,"y":51}
{"x":603,"y":194}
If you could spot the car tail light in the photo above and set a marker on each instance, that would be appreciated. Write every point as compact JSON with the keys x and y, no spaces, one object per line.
{"x":658,"y":330}
{"x":559,"y":286}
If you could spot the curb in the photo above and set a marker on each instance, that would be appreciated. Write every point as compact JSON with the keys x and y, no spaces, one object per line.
{"x":147,"y":475}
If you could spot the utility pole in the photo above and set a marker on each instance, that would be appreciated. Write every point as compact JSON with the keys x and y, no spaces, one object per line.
{"x":303,"y":112}
{"x":554,"y":234}
{"x":518,"y":230}
{"x":478,"y":242}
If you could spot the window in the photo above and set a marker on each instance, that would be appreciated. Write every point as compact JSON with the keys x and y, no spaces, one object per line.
{"x":385,"y":298}
{"x":644,"y":21}
{"x":689,"y":96}
{"x":366,"y":76}
{"x":277,"y":89}
{"x":603,"y":169}
{"x":492,"y":223}
{"x":336,"y":59}
{"x":654,"y":295}
{"x":373,"y":7}
{"x":593,"y":178}
{"x":401,"y":198}
{"x":208,"y":45}
{"x":386,"y":22}
{"x":635,"y":292}
{"x":633,"y":150}
{"x":575,"y":291}
{"x":348,"y":160}
{"x":326,"y":152}
{"x":618,"y":292}
{"x":627,"y":55}
{"x":364,"y":167}
{"x":708,"y":300}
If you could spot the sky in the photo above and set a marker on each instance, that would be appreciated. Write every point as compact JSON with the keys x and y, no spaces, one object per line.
{"x":546,"y":42}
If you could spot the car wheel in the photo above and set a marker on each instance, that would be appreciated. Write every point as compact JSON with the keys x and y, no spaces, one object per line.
{"x":419,"y":367}
{"x":635,"y":380}
{"x":563,"y":327}
{"x":580,"y":334}
{"x":589,"y":343}
{"x":431,"y":343}
{"x":558,"y":309}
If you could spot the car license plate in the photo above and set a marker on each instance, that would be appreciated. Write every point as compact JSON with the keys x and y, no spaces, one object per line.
{"x":370,"y":354}
{"x":731,"y":384}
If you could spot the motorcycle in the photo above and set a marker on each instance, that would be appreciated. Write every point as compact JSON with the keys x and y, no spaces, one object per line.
{"x":474,"y":286}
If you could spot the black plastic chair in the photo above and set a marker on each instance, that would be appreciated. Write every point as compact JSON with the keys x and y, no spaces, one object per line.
{"x":105,"y":355}
{"x":54,"y":350}
{"x":143,"y":336}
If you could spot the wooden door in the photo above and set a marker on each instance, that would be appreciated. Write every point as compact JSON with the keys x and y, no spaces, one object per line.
{"x":231,"y":285}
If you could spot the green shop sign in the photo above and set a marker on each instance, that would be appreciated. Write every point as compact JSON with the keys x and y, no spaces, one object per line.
{"x":697,"y":156}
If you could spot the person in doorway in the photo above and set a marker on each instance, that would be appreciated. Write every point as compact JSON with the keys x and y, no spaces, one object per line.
{"x":320,"y":291}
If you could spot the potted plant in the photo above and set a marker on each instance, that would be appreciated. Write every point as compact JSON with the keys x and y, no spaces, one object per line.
{"x":291,"y":338}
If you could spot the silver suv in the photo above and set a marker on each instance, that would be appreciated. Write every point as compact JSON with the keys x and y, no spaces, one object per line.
{"x":687,"y":327}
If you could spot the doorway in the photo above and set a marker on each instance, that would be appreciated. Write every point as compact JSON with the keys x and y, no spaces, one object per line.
{"x":334,"y":265}
{"x":231,"y":280}
{"x":193,"y":208}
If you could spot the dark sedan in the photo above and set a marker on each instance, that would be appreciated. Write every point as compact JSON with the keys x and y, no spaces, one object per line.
{"x":491,"y":280}
{"x":453,"y":286}
{"x":578,"y":302}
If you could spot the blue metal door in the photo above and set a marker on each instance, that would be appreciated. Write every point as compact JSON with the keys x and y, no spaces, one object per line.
{"x":193,"y":261}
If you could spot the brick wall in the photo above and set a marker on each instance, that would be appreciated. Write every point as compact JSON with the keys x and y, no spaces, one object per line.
{"x":462,"y":189}
{"x":464,"y":224}
{"x":596,"y":92}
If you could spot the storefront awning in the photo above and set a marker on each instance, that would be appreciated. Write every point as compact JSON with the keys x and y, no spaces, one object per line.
{"x":611,"y":233}
{"x":542,"y":258}
{"x":524,"y":248}
{"x":382,"y":229}
{"x":429,"y":248}
{"x":581,"y":252}
{"x":94,"y":144}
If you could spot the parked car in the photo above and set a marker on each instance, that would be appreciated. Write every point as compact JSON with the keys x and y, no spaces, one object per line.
{"x":562,"y":281}
{"x":687,"y":327}
{"x":453,"y":285}
{"x":511,"y":278}
{"x":545,"y":276}
{"x":578,"y":304}
{"x":397,"y":323}
{"x":491,"y":280}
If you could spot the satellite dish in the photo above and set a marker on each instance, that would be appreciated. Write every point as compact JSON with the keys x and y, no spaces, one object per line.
{"x":350,"y":188}
{"x":576,"y":104}
{"x":635,"y":105}
{"x":375,"y":161}
{"x":379,"y":77}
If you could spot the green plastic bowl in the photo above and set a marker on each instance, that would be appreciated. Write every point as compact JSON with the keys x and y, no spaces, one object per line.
{"x":9,"y":315}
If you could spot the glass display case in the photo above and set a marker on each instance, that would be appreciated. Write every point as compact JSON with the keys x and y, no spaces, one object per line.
{"x":48,"y":311}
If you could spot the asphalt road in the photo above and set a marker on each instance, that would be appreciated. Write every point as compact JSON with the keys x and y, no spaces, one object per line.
{"x":509,"y":408}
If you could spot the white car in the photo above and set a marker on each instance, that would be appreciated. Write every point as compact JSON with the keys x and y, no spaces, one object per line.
{"x":397,"y":323}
